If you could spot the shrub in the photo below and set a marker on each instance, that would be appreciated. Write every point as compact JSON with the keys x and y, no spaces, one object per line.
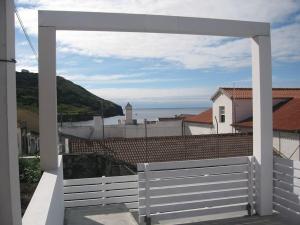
{"x":29,"y":170}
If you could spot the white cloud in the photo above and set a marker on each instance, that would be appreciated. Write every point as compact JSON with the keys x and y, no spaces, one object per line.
{"x":286,"y":43}
{"x":116,"y":79}
{"x":189,"y":51}
{"x":26,"y":61}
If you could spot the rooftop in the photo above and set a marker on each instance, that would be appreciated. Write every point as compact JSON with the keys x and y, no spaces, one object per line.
{"x":246,"y":93}
{"x":204,"y":117}
{"x":285,"y":116}
{"x":161,"y":149}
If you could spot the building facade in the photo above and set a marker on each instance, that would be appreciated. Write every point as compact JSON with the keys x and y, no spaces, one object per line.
{"x":231,"y":112}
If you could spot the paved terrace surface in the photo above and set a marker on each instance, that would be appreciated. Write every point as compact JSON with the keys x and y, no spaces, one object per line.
{"x":119,"y":215}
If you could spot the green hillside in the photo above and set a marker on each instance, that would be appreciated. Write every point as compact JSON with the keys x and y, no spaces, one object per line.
{"x":73,"y":102}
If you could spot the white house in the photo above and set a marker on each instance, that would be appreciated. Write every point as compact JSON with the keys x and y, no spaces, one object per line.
{"x":128,"y":128}
{"x":231,"y":112}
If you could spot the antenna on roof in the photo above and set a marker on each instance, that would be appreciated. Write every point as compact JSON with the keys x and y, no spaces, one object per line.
{"x":234,"y":106}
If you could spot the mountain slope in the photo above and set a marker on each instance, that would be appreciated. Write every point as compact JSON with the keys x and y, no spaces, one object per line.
{"x":73,"y":101}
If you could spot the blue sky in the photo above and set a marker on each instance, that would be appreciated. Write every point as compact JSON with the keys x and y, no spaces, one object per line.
{"x":159,"y":70}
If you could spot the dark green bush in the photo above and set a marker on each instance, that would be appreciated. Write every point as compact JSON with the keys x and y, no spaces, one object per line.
{"x":29,"y":170}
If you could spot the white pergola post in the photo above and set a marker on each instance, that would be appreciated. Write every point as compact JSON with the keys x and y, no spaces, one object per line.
{"x":10,"y":209}
{"x":262,"y":123}
{"x":50,"y":21}
{"x":47,"y":98}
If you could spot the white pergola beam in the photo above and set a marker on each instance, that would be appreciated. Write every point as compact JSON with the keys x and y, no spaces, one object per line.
{"x":50,"y":21}
{"x":10,"y":207}
{"x":92,"y":21}
{"x":47,"y":98}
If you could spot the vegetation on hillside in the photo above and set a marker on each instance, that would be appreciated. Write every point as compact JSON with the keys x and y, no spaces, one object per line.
{"x":73,"y":101}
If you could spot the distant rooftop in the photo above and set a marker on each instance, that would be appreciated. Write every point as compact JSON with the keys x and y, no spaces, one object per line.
{"x":286,"y":116}
{"x":204,"y":117}
{"x":161,"y":149}
{"x":246,"y":93}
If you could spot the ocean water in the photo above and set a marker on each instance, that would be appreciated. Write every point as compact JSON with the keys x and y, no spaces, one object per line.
{"x":148,"y":113}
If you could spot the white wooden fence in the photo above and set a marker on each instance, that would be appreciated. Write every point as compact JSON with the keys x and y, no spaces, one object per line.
{"x":181,"y":189}
{"x":286,"y":198}
{"x":102,"y":191}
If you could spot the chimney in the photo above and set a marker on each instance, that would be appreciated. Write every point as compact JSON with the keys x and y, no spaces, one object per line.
{"x":98,"y":128}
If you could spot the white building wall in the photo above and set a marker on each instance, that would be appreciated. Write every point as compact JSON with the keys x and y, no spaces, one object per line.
{"x":287,"y":143}
{"x":98,"y":128}
{"x":198,"y":129}
{"x":165,"y":128}
{"x":78,"y":131}
{"x":284,"y":142}
{"x":223,"y":100}
{"x":161,"y":128}
{"x":235,"y":110}
{"x":46,"y":206}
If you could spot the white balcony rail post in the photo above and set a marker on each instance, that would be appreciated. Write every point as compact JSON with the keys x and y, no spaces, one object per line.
{"x":47,"y":98}
{"x":250,"y":184}
{"x":147,"y":194}
{"x":262,"y":122}
{"x":103,"y":190}
{"x":10,"y":209}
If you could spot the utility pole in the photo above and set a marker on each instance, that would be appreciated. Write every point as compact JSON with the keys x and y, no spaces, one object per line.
{"x":10,"y":209}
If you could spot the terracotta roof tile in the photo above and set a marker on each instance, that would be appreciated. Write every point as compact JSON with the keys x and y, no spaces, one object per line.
{"x":160,"y":149}
{"x":286,"y":116}
{"x":246,"y":93}
{"x":204,"y":117}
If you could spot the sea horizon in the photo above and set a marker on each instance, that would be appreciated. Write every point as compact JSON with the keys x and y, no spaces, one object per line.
{"x":150,"y":114}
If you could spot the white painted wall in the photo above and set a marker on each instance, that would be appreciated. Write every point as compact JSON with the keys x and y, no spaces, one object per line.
{"x":47,"y":204}
{"x":284,"y":142}
{"x":161,"y":128}
{"x":287,"y":143}
{"x":235,"y":110}
{"x":223,"y":100}
{"x":78,"y":131}
{"x":97,"y":132}
{"x":198,"y":128}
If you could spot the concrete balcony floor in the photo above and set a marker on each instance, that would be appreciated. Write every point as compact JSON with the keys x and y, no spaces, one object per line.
{"x":119,"y":215}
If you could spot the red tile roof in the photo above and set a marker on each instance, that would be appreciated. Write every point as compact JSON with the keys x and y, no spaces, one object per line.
{"x":286,"y":116}
{"x":161,"y":149}
{"x":204,"y":117}
{"x":246,"y":93}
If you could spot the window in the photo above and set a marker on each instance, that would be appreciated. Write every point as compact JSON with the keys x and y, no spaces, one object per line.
{"x":222,"y":114}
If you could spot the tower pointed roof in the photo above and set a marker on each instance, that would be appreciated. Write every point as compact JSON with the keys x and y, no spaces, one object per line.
{"x":128,"y":106}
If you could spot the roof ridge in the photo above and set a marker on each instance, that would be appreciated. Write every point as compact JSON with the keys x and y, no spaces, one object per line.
{"x":274,"y":88}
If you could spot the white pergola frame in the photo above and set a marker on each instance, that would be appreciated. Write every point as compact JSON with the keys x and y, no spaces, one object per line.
{"x":51,"y":21}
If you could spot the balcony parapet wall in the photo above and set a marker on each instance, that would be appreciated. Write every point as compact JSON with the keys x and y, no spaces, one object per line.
{"x":47,"y":204}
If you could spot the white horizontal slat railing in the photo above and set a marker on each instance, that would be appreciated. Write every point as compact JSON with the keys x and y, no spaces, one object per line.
{"x":195,"y":188}
{"x":286,"y":198}
{"x":102,"y":191}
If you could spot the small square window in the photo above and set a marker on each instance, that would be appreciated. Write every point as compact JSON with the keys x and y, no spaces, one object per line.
{"x":222,"y":114}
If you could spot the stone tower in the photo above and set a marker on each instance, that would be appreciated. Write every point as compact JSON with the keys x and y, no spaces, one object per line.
{"x":128,"y":114}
